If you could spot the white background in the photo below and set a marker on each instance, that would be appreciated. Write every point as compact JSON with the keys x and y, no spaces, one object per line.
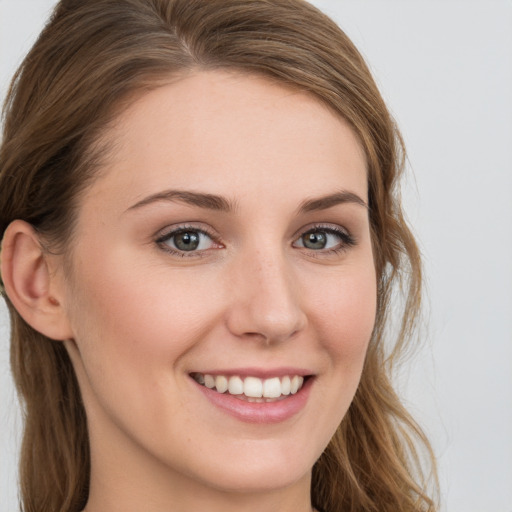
{"x":445,"y":69}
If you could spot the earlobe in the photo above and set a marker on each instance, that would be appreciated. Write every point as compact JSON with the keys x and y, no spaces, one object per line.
{"x":29,"y":284}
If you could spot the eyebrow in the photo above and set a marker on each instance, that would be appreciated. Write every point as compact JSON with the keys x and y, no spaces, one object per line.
{"x":219,"y":203}
{"x":208,"y":201}
{"x":328,"y":201}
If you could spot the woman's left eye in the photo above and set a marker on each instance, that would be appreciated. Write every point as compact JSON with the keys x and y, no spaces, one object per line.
{"x":322,"y":239}
{"x":186,"y":240}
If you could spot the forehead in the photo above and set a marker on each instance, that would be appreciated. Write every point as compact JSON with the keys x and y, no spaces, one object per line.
{"x":230,"y":134}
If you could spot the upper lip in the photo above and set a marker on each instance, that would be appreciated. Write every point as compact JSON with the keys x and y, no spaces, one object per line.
{"x":262,"y":373}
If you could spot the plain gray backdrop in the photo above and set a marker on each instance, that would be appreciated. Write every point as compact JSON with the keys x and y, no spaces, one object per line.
{"x":445,"y":69}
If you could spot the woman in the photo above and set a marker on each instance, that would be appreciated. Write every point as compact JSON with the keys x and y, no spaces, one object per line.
{"x":200,"y":241}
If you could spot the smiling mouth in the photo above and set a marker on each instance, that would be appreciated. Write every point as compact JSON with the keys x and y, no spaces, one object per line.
{"x":252,"y":389}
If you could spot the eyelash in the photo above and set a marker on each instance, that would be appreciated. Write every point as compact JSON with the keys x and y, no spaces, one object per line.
{"x":168,"y":235}
{"x":346,"y":240}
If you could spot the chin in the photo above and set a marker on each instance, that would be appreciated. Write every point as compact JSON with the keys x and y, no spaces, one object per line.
{"x":259,"y":470}
{"x":259,"y":480}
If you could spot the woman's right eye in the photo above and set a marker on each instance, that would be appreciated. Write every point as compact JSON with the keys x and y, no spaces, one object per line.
{"x":186,"y":240}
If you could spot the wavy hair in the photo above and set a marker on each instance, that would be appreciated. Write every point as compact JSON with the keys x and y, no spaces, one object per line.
{"x":92,"y":58}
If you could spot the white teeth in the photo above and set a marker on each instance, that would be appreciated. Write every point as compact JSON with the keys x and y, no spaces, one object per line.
{"x":285,"y":385}
{"x":296,"y":384}
{"x":272,"y":388}
{"x":209,"y":381}
{"x":221,"y":383}
{"x":253,"y":388}
{"x":236,"y":386}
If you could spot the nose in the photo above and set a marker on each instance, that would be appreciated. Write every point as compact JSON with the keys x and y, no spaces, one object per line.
{"x":265,"y":301}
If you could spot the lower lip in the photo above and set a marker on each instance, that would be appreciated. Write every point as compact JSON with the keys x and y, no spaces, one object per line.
{"x":265,"y":412}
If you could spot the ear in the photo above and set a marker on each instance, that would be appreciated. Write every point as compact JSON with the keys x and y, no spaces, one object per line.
{"x":30,"y":285}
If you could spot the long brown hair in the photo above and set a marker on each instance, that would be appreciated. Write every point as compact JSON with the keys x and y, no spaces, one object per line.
{"x":91,"y":59}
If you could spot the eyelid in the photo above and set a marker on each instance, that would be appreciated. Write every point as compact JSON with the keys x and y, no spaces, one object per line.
{"x":180,"y":228}
{"x":326,"y":226}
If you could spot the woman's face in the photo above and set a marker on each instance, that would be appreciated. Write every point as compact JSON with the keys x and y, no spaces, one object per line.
{"x":226,"y":243}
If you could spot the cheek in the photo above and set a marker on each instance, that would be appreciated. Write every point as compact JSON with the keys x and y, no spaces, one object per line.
{"x":132,"y":321}
{"x":134,"y":325}
{"x":346,"y":316}
{"x":145,"y":316}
